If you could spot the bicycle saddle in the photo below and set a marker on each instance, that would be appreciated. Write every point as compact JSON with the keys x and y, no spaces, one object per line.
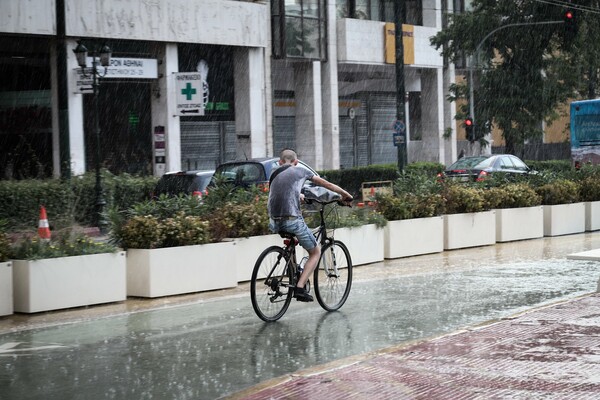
{"x":286,"y":235}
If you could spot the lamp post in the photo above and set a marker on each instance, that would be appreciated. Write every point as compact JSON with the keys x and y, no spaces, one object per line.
{"x":99,"y":56}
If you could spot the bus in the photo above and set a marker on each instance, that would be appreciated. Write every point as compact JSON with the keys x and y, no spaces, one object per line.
{"x":585,"y":132}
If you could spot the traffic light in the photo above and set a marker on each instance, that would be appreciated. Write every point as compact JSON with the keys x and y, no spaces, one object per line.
{"x":470,"y":129}
{"x":570,"y":20}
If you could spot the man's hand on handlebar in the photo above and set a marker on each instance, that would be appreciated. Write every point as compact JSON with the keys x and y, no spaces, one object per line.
{"x":346,"y":201}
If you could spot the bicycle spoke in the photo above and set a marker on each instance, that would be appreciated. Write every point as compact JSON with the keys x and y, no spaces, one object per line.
{"x":333,"y":278}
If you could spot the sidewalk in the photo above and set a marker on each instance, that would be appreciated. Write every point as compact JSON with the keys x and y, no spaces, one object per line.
{"x":550,"y":353}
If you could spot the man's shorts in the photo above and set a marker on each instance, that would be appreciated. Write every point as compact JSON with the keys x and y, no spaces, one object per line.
{"x":297,"y":227}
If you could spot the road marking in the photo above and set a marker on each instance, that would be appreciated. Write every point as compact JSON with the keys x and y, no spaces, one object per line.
{"x":14,"y":348}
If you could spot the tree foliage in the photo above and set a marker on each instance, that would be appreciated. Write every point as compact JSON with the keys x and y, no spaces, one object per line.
{"x":525,"y":71}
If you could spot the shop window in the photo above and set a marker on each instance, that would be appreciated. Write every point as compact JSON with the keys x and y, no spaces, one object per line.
{"x":299,"y":29}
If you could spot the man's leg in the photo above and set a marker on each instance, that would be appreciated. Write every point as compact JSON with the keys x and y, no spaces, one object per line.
{"x":309,"y":267}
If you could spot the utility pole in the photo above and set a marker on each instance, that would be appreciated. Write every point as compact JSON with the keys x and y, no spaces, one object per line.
{"x":63,"y":93}
{"x":399,"y":18}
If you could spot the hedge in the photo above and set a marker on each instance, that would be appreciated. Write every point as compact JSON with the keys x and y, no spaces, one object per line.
{"x":67,"y":202}
{"x":351,"y":179}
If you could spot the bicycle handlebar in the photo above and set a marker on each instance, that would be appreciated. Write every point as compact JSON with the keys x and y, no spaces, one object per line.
{"x":325,"y":202}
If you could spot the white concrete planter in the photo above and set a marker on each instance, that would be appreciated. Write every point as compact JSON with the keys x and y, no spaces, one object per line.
{"x":365,"y":243}
{"x":178,"y":270}
{"x":519,"y":223}
{"x":247,"y":250}
{"x":412,"y":237}
{"x":469,"y":229}
{"x":592,"y":215}
{"x":6,"y":288}
{"x":564,"y":219}
{"x":56,"y":283}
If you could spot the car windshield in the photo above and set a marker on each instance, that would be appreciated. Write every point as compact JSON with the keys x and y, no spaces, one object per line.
{"x":470,"y":162}
{"x":245,"y":173}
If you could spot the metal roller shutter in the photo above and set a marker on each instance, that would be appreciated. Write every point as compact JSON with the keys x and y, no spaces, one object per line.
{"x":363,"y":147}
{"x":346,"y":142}
{"x":206,"y":144}
{"x":284,"y":133}
{"x":382,"y":112}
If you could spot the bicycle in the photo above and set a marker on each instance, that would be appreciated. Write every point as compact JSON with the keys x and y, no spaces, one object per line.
{"x":276,"y":272}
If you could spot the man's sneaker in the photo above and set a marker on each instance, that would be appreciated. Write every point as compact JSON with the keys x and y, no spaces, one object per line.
{"x":302,"y":295}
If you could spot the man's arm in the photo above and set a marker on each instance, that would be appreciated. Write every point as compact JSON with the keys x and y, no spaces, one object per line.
{"x":332,"y":186}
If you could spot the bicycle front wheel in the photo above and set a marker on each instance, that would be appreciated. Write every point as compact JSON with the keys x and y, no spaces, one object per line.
{"x":270,"y":285}
{"x":333,"y":276}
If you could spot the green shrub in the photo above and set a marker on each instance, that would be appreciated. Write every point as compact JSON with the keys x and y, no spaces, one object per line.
{"x":345,"y":217}
{"x":21,"y":201}
{"x":556,"y":166}
{"x":410,"y":205}
{"x":141,"y":232}
{"x":430,"y":169}
{"x":394,"y":208}
{"x":351,"y":179}
{"x":184,"y":230}
{"x":68,"y":202}
{"x":5,"y":251}
{"x":235,"y":220}
{"x":225,"y":212}
{"x":560,"y":191}
{"x":589,"y":189}
{"x":512,"y":196}
{"x":65,"y":245}
{"x":150,"y":232}
{"x":464,"y":199}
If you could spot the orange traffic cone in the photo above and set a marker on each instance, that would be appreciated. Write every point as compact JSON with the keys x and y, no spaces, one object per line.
{"x":44,"y":227}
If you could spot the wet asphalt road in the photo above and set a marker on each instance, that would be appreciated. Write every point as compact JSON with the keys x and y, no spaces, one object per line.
{"x":216,"y":347}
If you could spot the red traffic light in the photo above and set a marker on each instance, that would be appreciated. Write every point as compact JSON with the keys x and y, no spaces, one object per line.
{"x":468,"y":122}
{"x":569,"y":14}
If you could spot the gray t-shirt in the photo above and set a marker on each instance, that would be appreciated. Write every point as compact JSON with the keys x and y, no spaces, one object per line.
{"x":284,"y":192}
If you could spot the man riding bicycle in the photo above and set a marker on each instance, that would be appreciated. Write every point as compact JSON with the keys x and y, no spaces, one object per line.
{"x":285,"y":215}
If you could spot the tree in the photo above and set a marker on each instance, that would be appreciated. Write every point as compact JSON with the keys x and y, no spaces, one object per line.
{"x":524,"y":72}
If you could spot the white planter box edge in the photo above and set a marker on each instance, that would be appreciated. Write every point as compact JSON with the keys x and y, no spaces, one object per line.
{"x":179,"y":270}
{"x":469,"y":230}
{"x":365,"y":243}
{"x":564,"y":219}
{"x":65,"y":282}
{"x":6,"y":288}
{"x":592,"y":216}
{"x":519,"y":223}
{"x":413,"y":237}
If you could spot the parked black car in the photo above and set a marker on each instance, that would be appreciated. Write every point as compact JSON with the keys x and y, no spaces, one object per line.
{"x":251,"y":172}
{"x":184,"y":182}
{"x":478,"y":168}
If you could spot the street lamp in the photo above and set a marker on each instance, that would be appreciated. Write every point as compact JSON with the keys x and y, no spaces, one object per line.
{"x":100,"y":56}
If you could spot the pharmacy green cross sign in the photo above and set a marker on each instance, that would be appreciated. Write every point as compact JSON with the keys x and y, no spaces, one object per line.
{"x":190,"y":94}
{"x":188,"y":91}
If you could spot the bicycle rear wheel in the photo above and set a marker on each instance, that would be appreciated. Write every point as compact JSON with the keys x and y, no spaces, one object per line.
{"x":333,"y":276}
{"x":270,"y":285}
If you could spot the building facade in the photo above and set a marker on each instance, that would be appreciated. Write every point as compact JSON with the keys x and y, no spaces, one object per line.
{"x":315,"y":75}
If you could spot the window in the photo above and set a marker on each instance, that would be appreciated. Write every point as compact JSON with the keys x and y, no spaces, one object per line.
{"x":299,"y":29}
{"x":379,"y":10}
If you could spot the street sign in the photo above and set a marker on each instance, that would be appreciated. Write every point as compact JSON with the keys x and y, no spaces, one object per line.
{"x":120,"y":67}
{"x":398,"y":139}
{"x":399,"y":126}
{"x":189,"y":94}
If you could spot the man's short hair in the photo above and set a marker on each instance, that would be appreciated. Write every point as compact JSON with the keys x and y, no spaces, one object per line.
{"x":288,"y":155}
